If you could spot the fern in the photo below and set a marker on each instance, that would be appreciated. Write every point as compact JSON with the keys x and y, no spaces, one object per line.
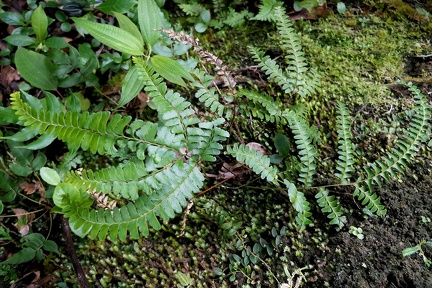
{"x":173,"y":109}
{"x":346,"y":148}
{"x":300,"y":204}
{"x":272,"y":69}
{"x":297,"y":67}
{"x":94,"y":132}
{"x":396,"y":159}
{"x":307,"y":151}
{"x":329,"y":204}
{"x":256,"y":160}
{"x":266,"y":10}
{"x":124,"y":181}
{"x":206,"y":95}
{"x":267,"y":102}
{"x":177,"y":185}
{"x":204,"y":141}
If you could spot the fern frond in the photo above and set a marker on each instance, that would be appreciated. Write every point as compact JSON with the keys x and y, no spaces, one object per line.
{"x":307,"y":151}
{"x":295,"y":58}
{"x":346,"y":148}
{"x":174,"y":111}
{"x":94,"y":132}
{"x":396,"y":159}
{"x":206,"y":95}
{"x":178,"y":184}
{"x":204,"y":141}
{"x":266,"y":10}
{"x":369,"y":199}
{"x":256,"y":160}
{"x":266,"y":101}
{"x":193,"y":9}
{"x":272,"y":69}
{"x":300,"y":204}
{"x":124,"y":181}
{"x":329,"y":204}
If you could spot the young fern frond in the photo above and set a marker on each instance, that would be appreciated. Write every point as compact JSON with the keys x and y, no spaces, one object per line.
{"x":178,"y":184}
{"x":329,"y":204}
{"x":396,"y":159}
{"x":345,"y":146}
{"x":94,"y":132}
{"x":307,"y":151}
{"x":300,"y":204}
{"x":255,"y":160}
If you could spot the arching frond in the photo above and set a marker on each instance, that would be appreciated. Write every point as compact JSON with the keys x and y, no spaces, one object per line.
{"x":330,"y":205}
{"x":177,"y":185}
{"x":345,"y":146}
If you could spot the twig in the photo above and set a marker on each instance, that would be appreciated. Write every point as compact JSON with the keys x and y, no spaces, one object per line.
{"x":82,"y":280}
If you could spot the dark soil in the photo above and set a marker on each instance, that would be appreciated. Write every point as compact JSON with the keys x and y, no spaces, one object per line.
{"x":376,"y":261}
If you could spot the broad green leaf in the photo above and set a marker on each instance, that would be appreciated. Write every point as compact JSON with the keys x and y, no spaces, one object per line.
{"x":149,"y":20}
{"x":112,"y":36}
{"x":170,"y":69}
{"x":132,"y":85}
{"x":36,"y":69}
{"x":50,"y":176}
{"x":39,"y":23}
{"x":7,"y":115}
{"x":116,"y":6}
{"x":50,"y":246}
{"x":39,"y":161}
{"x":126,"y":24}
{"x":12,"y":18}
{"x":22,"y":256}
{"x":19,"y":40}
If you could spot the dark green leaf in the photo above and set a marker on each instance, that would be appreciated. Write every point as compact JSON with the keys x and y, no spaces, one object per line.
{"x":25,"y":255}
{"x":113,"y":6}
{"x":56,"y":42}
{"x":170,"y":69}
{"x":12,"y":18}
{"x":39,"y":22}
{"x":112,"y":36}
{"x":19,"y":40}
{"x":132,"y":85}
{"x":149,"y":20}
{"x":28,"y":62}
{"x":282,"y":144}
{"x":50,"y":246}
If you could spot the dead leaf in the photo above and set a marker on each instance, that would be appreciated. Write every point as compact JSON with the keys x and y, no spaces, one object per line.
{"x":232,"y":170}
{"x":305,"y":14}
{"x":24,"y":220}
{"x":8,"y":74}
{"x":30,"y":188}
{"x":258,"y":147}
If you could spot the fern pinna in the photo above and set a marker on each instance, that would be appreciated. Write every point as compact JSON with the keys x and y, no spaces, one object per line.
{"x":161,"y":173}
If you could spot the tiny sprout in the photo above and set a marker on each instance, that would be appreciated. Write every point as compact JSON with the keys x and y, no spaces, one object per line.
{"x":356,"y":232}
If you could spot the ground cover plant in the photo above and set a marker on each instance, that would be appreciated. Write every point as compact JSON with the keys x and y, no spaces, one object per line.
{"x":172,"y":133}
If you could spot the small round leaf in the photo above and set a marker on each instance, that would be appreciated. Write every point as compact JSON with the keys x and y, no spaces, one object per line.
{"x":50,"y":176}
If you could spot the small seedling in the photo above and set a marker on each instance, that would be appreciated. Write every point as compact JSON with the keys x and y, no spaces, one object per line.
{"x":356,"y":232}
